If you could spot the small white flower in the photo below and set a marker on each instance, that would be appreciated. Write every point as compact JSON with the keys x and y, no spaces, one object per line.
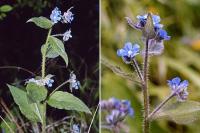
{"x":42,"y":82}
{"x":74,"y":83}
{"x":67,"y":35}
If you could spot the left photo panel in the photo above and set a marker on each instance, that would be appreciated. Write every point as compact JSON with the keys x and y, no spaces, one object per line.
{"x":49,"y":66}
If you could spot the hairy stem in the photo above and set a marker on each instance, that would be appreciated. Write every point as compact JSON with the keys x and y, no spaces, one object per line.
{"x":58,"y":88}
{"x":137,"y":69}
{"x":160,"y":106}
{"x":43,"y":76}
{"x":44,"y":54}
{"x":145,"y":89}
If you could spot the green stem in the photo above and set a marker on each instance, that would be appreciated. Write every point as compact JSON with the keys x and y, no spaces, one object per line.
{"x":43,"y":76}
{"x":145,"y":89}
{"x":7,"y":125}
{"x":160,"y":106}
{"x":58,"y":88}
{"x":44,"y":54}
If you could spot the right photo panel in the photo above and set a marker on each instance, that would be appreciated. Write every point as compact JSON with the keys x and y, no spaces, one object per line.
{"x":150,"y":69}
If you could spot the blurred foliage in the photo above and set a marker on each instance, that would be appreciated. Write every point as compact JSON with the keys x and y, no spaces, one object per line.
{"x":181,"y":56}
{"x":36,"y":5}
{"x":4,"y":9}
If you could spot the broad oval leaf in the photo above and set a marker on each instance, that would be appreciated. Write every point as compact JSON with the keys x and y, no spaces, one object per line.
{"x":50,"y":52}
{"x":33,"y":112}
{"x":36,"y":93}
{"x":180,"y":112}
{"x":65,"y":100}
{"x":5,"y":8}
{"x":41,"y":22}
{"x":58,"y":46}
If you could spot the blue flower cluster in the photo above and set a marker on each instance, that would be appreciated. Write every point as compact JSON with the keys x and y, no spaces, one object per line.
{"x":56,"y":16}
{"x":67,"y":17}
{"x":128,"y":52}
{"x":160,"y":33}
{"x":42,"y":82}
{"x":118,"y":110}
{"x":179,"y":88}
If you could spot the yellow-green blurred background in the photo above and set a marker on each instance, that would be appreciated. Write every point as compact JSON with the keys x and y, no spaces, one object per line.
{"x":181,"y":57}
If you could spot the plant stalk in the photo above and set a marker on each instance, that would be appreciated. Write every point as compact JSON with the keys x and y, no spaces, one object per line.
{"x":44,"y":54}
{"x":145,"y":89}
{"x":137,"y":69}
{"x":43,"y":76}
{"x":160,"y":106}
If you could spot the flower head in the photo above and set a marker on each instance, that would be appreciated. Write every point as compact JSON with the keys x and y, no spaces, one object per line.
{"x":162,"y":35}
{"x":113,"y":117}
{"x":55,"y":15}
{"x":74,"y":83}
{"x":42,"y":82}
{"x":67,"y":35}
{"x":123,"y":106}
{"x":143,"y":18}
{"x":75,"y":128}
{"x":179,"y":88}
{"x":68,"y":16}
{"x":128,"y":52}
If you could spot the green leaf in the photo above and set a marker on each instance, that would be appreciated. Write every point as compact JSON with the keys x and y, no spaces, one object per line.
{"x":58,"y":46}
{"x":118,"y":71}
{"x":41,"y":22}
{"x":33,"y":112}
{"x":5,"y":8}
{"x":180,"y":112}
{"x":65,"y":100}
{"x":36,"y":93}
{"x":50,"y":52}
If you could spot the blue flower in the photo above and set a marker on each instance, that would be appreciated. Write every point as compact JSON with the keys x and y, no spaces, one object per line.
{"x":74,"y":83}
{"x":55,"y":15}
{"x":49,"y":82}
{"x":68,"y":16}
{"x":67,"y":35}
{"x":162,"y":35}
{"x":126,"y":107}
{"x":114,"y":117}
{"x":75,"y":128}
{"x":143,"y":18}
{"x":179,"y":88}
{"x":128,"y":52}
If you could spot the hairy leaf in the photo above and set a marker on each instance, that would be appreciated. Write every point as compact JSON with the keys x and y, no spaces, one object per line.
{"x":180,"y":112}
{"x":50,"y":52}
{"x":65,"y":100}
{"x":118,"y":71}
{"x":41,"y":22}
{"x":33,"y":112}
{"x":36,"y":93}
{"x":58,"y":47}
